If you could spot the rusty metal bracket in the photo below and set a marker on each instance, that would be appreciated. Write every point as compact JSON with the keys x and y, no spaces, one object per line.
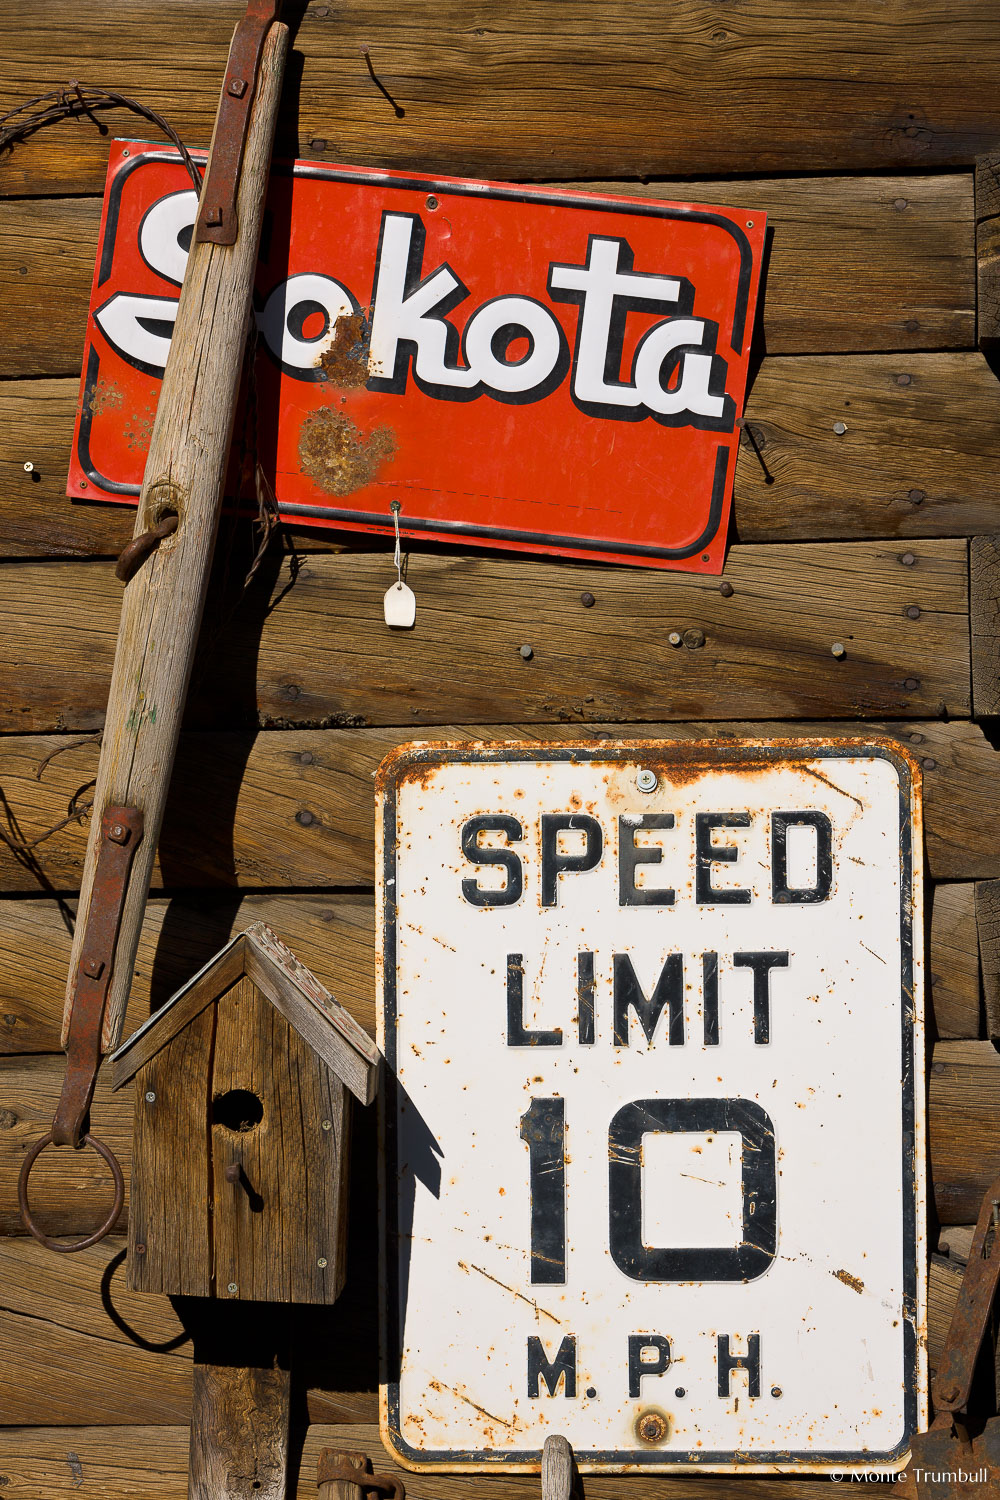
{"x":372,"y":1484}
{"x":972,"y":1310}
{"x":217,"y":217}
{"x":135,"y":552}
{"x":121,"y":834}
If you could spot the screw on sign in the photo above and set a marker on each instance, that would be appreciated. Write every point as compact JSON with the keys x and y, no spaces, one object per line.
{"x":650,"y":1181}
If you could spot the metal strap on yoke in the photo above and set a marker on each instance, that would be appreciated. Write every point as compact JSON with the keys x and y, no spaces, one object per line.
{"x":217,"y":218}
{"x":121,"y":833}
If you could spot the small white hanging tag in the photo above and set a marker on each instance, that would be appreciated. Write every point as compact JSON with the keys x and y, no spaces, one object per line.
{"x":400,"y":606}
{"x":400,"y":602}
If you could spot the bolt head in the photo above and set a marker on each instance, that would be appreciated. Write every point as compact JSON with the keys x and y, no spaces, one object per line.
{"x":913,"y":612}
{"x":651,"y":1426}
{"x":776,"y":1391}
{"x":150,"y":1097}
{"x":237,"y":87}
{"x":587,"y":600}
{"x":432,"y":202}
{"x":29,"y":467}
{"x":840,"y":428}
{"x":327,"y":1124}
{"x":233,"y":1287}
{"x":322,"y":1262}
{"x":694,"y":639}
{"x":118,"y":833}
{"x":140,"y":1249}
{"x":646,"y":780}
{"x":907,"y":559}
{"x":838,"y":649}
{"x":213,"y":217}
{"x":93,"y":967}
{"x":675,"y":638}
{"x":526,"y":652}
{"x":726,"y":589}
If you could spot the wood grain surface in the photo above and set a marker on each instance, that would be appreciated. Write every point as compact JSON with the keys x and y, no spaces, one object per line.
{"x":964,"y":1127}
{"x":71,"y":1194}
{"x":125,"y":1357}
{"x":920,"y":457}
{"x":855,"y":264}
{"x":150,"y":1463}
{"x":544,"y":90}
{"x":309,"y":646}
{"x":239,"y":1432}
{"x":294,"y":808}
{"x":333,"y":935}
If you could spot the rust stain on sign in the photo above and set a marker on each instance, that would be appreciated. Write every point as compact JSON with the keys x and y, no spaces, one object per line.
{"x":344,"y":361}
{"x":854,"y":1282}
{"x":337,"y":456}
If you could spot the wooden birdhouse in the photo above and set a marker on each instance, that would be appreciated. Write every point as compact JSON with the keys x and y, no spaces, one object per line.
{"x":242,"y":1130}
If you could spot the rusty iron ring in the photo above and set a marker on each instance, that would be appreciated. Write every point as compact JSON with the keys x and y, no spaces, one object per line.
{"x":22,"y":1195}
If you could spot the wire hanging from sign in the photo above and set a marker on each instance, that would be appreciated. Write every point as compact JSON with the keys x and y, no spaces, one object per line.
{"x":400,"y":603}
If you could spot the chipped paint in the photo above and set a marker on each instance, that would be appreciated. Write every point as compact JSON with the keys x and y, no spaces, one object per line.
{"x":344,"y":360}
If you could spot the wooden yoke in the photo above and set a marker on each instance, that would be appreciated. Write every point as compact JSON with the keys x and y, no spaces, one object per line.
{"x":185,"y":473}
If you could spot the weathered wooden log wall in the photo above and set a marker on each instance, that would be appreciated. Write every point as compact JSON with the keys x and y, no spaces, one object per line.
{"x":857,"y":128}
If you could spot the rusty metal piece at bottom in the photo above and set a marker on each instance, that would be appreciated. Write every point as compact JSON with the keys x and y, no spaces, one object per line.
{"x":972,"y":1310}
{"x":945,"y":1466}
{"x":98,"y":1234}
{"x":121,"y":833}
{"x":333,"y":1469}
{"x":217,"y":219}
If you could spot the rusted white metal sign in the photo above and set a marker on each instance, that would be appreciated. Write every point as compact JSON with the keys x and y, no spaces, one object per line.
{"x":653,"y":1149}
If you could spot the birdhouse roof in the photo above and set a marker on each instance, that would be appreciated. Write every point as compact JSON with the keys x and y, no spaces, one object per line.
{"x":260,"y":955}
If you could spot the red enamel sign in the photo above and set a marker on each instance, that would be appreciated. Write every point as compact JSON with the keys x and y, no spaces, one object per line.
{"x":526,"y":368}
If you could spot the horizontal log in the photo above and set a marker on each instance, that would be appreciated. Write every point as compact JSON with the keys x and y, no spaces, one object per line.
{"x":114,"y":1356}
{"x":107,"y":1463}
{"x":333,"y":935}
{"x":307,"y":644}
{"x":964,"y":1127}
{"x":70,"y":1191}
{"x":855,"y":264}
{"x":920,"y":457}
{"x":611,"y":90}
{"x":295,"y":808}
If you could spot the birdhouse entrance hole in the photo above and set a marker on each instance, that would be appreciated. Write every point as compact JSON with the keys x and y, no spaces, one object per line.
{"x":237,"y":1109}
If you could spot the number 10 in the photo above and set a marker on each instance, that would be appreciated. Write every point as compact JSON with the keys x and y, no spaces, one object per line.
{"x":543,"y":1128}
